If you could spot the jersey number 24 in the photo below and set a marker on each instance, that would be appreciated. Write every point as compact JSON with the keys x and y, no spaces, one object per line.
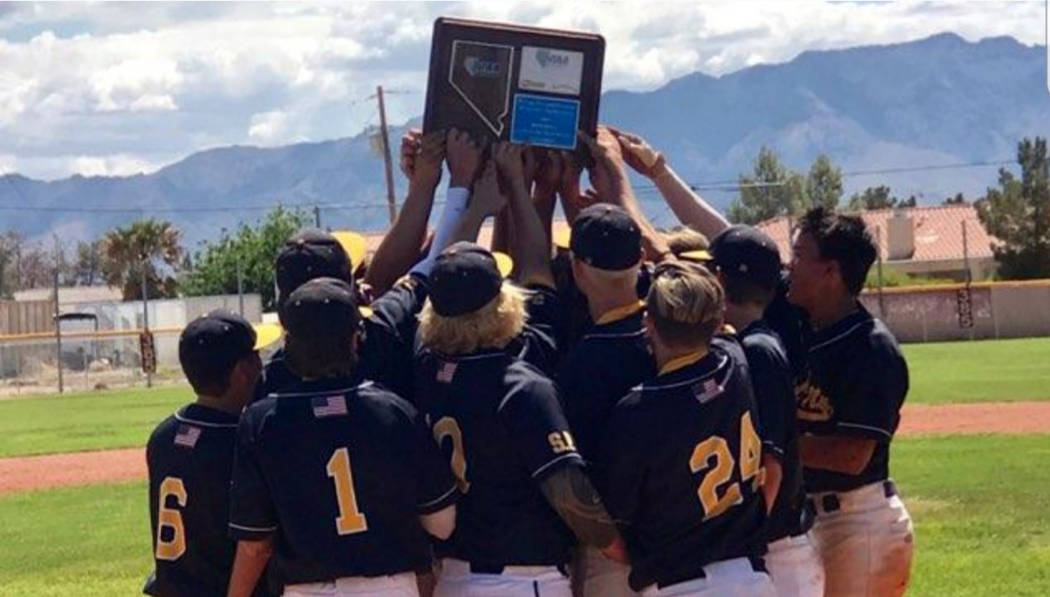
{"x":713,"y":458}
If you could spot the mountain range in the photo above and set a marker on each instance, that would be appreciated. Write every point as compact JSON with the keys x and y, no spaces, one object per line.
{"x":902,"y":111}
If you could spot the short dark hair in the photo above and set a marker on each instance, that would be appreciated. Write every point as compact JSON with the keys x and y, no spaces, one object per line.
{"x":741,"y":290}
{"x":320,"y":357}
{"x":844,"y":239}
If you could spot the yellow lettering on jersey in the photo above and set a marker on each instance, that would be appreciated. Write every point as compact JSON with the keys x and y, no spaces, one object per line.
{"x":813,"y":405}
{"x":561,"y":441}
{"x":751,"y":454}
{"x":171,"y":549}
{"x":350,"y":519}
{"x":717,"y":448}
{"x":448,"y":427}
{"x":719,"y":473}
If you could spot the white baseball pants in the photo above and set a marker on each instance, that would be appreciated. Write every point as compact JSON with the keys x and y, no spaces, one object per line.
{"x":456,"y":580}
{"x":399,"y":585}
{"x":795,"y":567}
{"x":728,"y":578}
{"x":866,"y":544}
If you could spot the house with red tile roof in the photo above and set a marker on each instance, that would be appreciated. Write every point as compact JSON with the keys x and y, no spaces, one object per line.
{"x":935,"y":241}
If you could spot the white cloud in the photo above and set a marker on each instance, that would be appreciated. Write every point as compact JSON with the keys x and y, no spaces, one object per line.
{"x":111,"y":165}
{"x":164,"y":79}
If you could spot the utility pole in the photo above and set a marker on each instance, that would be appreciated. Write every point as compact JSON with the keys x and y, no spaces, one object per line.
{"x":240,"y":288}
{"x":317,"y":217}
{"x":387,"y":160}
{"x":58,"y":333}
{"x":145,"y":318}
{"x":878,"y":253}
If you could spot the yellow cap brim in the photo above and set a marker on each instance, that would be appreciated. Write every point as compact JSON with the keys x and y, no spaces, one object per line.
{"x":562,"y":237}
{"x":365,"y":311}
{"x":267,"y":334}
{"x":699,"y":255}
{"x":504,"y":263}
{"x":355,"y":246}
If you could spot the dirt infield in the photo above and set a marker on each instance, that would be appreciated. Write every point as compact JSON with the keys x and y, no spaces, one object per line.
{"x":86,"y":468}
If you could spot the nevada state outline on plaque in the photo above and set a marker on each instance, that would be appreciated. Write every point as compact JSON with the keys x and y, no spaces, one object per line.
{"x":480,"y":73}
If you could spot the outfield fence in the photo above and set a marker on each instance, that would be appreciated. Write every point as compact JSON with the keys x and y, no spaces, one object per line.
{"x":978,"y":311}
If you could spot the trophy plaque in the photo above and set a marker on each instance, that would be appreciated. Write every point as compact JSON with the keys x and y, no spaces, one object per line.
{"x":513,"y":83}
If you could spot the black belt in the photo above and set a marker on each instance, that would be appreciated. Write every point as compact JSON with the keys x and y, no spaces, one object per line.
{"x":485,"y":568}
{"x":758,"y":564}
{"x":831,"y":502}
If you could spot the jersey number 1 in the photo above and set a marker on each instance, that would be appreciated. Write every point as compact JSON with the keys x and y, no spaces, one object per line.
{"x":716,"y":448}
{"x":350,"y":519}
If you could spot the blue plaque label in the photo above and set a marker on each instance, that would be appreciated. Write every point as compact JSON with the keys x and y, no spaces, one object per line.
{"x":544,"y":121}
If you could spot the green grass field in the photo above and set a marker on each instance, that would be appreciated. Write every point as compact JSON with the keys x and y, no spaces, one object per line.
{"x":981,"y":512}
{"x":941,"y":372}
{"x":87,"y":421}
{"x":980,"y":371}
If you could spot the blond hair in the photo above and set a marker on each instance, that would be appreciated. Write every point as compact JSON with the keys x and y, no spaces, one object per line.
{"x":493,"y":326}
{"x":685,"y":303}
{"x":609,"y":277}
{"x":682,"y":239}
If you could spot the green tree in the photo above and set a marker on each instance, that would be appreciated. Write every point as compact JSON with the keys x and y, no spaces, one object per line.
{"x":958,"y":199}
{"x":878,"y":198}
{"x":86,"y":270}
{"x":1018,"y":214}
{"x":824,"y":183}
{"x":150,"y":244}
{"x":770,"y":190}
{"x":253,"y":249}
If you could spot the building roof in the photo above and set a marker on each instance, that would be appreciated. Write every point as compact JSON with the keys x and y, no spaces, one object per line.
{"x":938,"y":232}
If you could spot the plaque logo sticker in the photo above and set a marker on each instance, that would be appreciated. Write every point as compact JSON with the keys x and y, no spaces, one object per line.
{"x":550,"y":70}
{"x":480,"y":74}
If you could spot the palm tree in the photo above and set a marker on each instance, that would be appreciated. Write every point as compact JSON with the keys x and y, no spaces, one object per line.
{"x":152,"y":244}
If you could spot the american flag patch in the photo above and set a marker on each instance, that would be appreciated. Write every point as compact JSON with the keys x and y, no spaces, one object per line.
{"x":329,"y":406}
{"x":187,"y":436}
{"x":446,"y":372}
{"x":707,"y":390}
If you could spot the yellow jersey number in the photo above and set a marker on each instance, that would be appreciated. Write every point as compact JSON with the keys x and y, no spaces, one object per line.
{"x":350,"y":520}
{"x":173,"y":548}
{"x":713,"y":456}
{"x":447,"y":427}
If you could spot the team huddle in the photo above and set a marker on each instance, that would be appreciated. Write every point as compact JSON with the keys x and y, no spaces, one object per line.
{"x":626,"y":411}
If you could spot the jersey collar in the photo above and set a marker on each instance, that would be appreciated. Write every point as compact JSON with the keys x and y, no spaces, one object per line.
{"x":205,"y":416}
{"x":683,"y":361}
{"x":842,"y":328}
{"x":618,"y":313}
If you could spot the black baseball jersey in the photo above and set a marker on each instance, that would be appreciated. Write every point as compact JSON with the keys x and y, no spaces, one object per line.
{"x":854,"y":385}
{"x":190,"y":459}
{"x":681,"y":469}
{"x":339,"y":474}
{"x":774,"y":388}
{"x":789,"y":323}
{"x":386,"y":352}
{"x":501,"y":426}
{"x":609,"y":359}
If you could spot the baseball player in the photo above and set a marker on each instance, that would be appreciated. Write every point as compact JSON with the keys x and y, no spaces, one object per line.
{"x":748,"y":266}
{"x":849,"y":399}
{"x":335,"y":478}
{"x":190,"y":459}
{"x":500,"y":422}
{"x":611,"y":356}
{"x":681,"y":458}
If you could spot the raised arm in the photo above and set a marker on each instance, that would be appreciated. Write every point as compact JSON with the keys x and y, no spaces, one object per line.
{"x":531,"y":246}
{"x":421,"y":159}
{"x":689,"y":207}
{"x":487,"y":200}
{"x":609,"y":176}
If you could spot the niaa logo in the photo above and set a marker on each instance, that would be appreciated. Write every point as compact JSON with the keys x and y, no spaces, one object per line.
{"x":546,"y":57}
{"x":476,"y":67}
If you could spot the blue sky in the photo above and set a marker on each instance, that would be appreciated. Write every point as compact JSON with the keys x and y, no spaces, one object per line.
{"x":120,"y":88}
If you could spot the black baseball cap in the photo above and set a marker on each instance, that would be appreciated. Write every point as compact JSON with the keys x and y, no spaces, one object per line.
{"x":212,"y":344}
{"x":464,"y":279}
{"x":321,"y":308}
{"x":606,"y":237}
{"x":747,"y":252}
{"x":309,"y":254}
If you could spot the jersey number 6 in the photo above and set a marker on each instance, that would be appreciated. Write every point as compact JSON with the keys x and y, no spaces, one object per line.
{"x":171,"y":549}
{"x":716,"y":448}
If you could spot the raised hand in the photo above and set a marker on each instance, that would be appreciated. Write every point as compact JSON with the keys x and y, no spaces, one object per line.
{"x":607,"y":175}
{"x":426,"y":163}
{"x":487,"y":199}
{"x":639,"y":155}
{"x":510,"y":161}
{"x":463,"y":156}
{"x":411,"y":142}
